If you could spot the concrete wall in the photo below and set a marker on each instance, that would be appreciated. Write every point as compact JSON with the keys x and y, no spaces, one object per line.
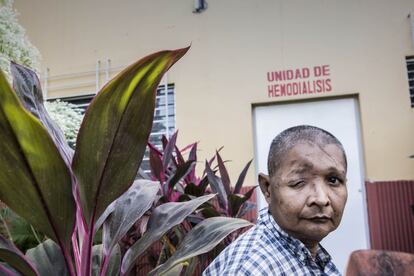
{"x":234,"y":43}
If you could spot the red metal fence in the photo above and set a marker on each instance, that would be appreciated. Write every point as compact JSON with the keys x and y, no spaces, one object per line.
{"x":391,"y":215}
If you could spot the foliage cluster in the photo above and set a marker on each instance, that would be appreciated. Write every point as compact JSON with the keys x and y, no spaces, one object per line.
{"x":179,"y":183}
{"x":14,"y":43}
{"x":68,"y":117}
{"x":68,"y":196}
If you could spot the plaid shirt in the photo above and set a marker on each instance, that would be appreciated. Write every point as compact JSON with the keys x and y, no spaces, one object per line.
{"x":267,"y":250}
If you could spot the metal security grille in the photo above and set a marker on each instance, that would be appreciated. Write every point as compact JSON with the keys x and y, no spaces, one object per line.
{"x":164,"y":119}
{"x":410,"y":72}
{"x":164,"y":115}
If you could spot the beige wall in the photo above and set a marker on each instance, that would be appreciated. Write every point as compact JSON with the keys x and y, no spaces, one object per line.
{"x":234,"y":44}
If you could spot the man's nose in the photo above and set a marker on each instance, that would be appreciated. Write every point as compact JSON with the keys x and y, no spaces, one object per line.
{"x":319,"y":195}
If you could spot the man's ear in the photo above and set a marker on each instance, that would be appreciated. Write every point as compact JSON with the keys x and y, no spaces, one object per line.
{"x":264,"y":183}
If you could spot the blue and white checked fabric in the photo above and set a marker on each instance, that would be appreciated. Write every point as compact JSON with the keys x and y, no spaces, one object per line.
{"x":267,"y":250}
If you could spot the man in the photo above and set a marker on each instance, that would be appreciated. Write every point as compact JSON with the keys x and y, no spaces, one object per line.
{"x":306,"y":192}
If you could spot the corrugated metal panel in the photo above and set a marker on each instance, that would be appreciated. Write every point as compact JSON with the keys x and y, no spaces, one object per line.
{"x":390,"y":215}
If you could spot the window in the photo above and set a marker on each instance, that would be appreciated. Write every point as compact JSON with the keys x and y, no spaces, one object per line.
{"x":164,"y":116}
{"x":410,"y":71}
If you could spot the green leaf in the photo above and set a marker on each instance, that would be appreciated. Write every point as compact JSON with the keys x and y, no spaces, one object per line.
{"x":225,"y":179}
{"x":114,"y":133}
{"x":157,"y":168}
{"x":34,"y":180}
{"x":246,"y":207}
{"x":163,"y":218}
{"x":201,"y":239}
{"x":192,"y":266}
{"x":217,"y":187}
{"x":193,"y":189}
{"x":209,"y":212}
{"x":175,"y":271}
{"x":26,"y":84}
{"x":241,"y":178}
{"x":166,"y":158}
{"x":13,"y":257}
{"x":237,"y":200}
{"x":22,"y":233}
{"x":48,"y":259}
{"x":114,"y":261}
{"x":127,"y":210}
{"x":181,"y":172}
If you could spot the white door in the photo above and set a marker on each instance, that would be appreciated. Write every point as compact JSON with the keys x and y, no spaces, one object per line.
{"x":341,"y":118}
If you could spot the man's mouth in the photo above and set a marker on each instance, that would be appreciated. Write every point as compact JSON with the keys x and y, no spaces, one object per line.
{"x":320,"y":219}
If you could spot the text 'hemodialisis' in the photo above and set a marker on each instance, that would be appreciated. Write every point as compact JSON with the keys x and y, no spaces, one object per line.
{"x":299,"y":81}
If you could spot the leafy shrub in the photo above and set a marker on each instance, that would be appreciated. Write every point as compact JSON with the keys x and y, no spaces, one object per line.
{"x":175,"y":170}
{"x":69,"y":195}
{"x":68,"y":117}
{"x":14,"y":43}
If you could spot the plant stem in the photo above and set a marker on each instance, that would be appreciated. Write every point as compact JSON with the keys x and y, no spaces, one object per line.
{"x":68,"y":261}
{"x":86,"y":252}
{"x":34,"y":233}
{"x":105,"y":264}
{"x":6,"y":227}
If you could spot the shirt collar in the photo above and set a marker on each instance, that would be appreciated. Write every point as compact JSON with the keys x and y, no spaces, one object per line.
{"x":296,"y":246}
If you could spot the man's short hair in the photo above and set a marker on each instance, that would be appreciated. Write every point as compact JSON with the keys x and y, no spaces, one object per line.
{"x":290,"y":137}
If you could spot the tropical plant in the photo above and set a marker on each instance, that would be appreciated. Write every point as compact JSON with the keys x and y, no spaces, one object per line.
{"x":169,"y":167}
{"x":14,"y":43}
{"x":23,"y":235}
{"x":69,"y":195}
{"x":179,"y":181}
{"x":68,"y":117}
{"x":231,"y":201}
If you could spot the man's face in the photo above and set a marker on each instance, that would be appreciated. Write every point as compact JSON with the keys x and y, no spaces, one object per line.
{"x":307,"y":195}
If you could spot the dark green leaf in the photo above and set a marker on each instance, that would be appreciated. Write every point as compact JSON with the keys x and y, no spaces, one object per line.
{"x":113,"y":264}
{"x":22,"y":233}
{"x":217,"y":187}
{"x":192,"y":266}
{"x":179,"y":156}
{"x":237,"y":200}
{"x":225,"y":179}
{"x":127,"y":210}
{"x":13,"y":257}
{"x":193,"y":189}
{"x":163,"y":218}
{"x":181,"y":172}
{"x":166,"y":158}
{"x":193,"y":153}
{"x":34,"y":179}
{"x":209,"y":212}
{"x":164,"y":141}
{"x":210,"y":162}
{"x":241,"y":178}
{"x":246,"y":207}
{"x":212,"y":231}
{"x":203,"y":184}
{"x":192,"y":156}
{"x":26,"y":84}
{"x":175,"y":271}
{"x":156,"y":165}
{"x":114,"y":133}
{"x":48,"y":259}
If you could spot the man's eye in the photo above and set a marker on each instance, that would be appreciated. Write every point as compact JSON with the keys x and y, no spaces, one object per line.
{"x":297,"y":184}
{"x":333,"y":180}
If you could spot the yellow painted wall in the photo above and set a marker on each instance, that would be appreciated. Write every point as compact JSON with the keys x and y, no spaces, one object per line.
{"x":234,"y":44}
